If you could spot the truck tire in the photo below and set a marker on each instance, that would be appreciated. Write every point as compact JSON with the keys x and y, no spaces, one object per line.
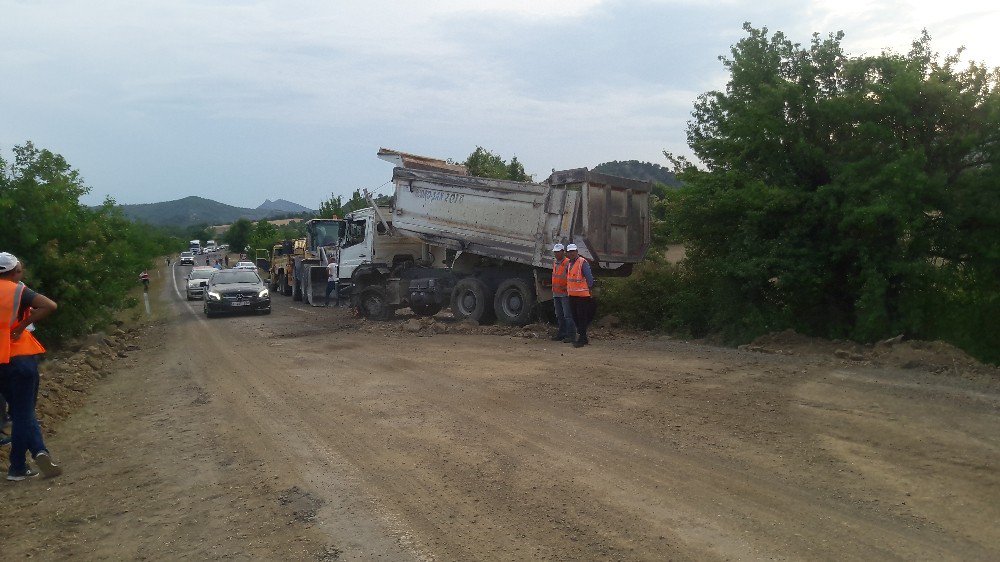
{"x":472,"y":300}
{"x":514,"y":303}
{"x":286,"y":288}
{"x":296,"y":291}
{"x":374,"y":304}
{"x":425,"y":309}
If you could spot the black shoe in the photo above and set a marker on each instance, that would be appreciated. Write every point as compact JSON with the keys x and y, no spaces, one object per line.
{"x":18,"y":475}
{"x":581,"y":343}
{"x":569,"y":340}
{"x":557,"y":338}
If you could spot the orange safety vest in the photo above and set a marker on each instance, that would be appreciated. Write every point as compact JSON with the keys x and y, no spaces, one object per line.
{"x":10,"y":299}
{"x":559,"y":277}
{"x":576,"y":283}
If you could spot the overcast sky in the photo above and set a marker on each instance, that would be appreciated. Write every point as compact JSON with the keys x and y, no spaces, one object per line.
{"x":239,"y":101}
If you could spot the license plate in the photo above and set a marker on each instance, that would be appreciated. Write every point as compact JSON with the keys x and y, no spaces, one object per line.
{"x":240,"y":303}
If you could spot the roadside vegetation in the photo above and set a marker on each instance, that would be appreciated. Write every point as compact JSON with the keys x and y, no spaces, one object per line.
{"x":86,"y":259}
{"x":842,"y":197}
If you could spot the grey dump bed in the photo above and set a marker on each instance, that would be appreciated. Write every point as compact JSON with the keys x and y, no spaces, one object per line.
{"x":606,"y":216}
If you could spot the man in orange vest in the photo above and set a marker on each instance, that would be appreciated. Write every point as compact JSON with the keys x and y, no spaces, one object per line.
{"x":20,"y":308}
{"x":579,"y":285}
{"x":560,"y":299}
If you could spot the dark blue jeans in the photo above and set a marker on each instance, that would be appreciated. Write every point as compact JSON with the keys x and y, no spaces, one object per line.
{"x":564,"y":316}
{"x":19,"y":386}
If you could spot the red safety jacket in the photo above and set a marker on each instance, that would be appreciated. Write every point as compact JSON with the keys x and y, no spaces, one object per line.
{"x":559,"y":270}
{"x":10,"y":299}
{"x":576,"y":283}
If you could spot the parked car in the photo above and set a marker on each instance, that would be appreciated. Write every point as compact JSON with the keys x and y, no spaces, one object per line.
{"x":236,"y":290}
{"x":249,"y":265}
{"x":197,"y":279}
{"x":187,"y":258}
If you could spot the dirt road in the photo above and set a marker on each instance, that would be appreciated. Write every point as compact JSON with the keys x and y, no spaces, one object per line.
{"x":308,"y":434}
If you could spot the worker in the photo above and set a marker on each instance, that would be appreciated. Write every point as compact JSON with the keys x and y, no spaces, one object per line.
{"x":579,"y":286}
{"x":144,"y":277}
{"x":560,"y":299}
{"x":19,"y":352}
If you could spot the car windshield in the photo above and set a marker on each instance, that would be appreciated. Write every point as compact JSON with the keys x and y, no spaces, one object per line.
{"x":226,"y":277}
{"x":186,"y":254}
{"x":202,"y":273}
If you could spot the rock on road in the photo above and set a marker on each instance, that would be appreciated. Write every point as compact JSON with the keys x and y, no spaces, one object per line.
{"x":309,"y":434}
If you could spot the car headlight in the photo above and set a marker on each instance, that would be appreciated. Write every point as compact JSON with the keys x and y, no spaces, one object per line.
{"x":214,"y":296}
{"x":262,"y":293}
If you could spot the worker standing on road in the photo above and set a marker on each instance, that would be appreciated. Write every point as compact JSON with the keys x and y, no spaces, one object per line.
{"x":560,"y":299}
{"x":331,"y":282}
{"x":20,"y":307}
{"x":579,"y":285}
{"x":144,"y":277}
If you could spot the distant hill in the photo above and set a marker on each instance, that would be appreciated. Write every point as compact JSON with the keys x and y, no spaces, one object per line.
{"x":636,"y":170}
{"x":280,"y":205}
{"x":198,"y":210}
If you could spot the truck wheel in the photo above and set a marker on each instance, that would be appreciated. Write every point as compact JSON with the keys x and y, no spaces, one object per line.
{"x":297,"y":292}
{"x":374,"y":305}
{"x":425,"y":309}
{"x":472,"y":300}
{"x":515,"y":302}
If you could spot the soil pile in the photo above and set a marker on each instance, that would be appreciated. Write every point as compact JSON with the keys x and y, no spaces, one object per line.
{"x":934,"y":356}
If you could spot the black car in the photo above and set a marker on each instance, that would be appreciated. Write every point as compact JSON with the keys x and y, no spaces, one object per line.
{"x":233,"y":290}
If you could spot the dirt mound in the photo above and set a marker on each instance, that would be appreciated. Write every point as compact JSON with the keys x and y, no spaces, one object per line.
{"x":935,"y":356}
{"x":67,"y":376}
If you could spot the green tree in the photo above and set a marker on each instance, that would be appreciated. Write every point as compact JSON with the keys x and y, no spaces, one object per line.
{"x":843,"y":196}
{"x":332,"y":207}
{"x":485,"y":164}
{"x":86,"y":259}
{"x":238,"y":235}
{"x":357,"y":201}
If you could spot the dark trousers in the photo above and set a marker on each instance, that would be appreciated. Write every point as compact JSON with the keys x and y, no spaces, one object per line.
{"x":331,"y":287}
{"x":583,"y":312}
{"x":19,"y":386}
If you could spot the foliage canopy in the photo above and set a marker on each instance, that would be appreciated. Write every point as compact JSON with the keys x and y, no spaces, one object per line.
{"x":84,"y":259}
{"x":842,"y":196}
{"x":485,"y":164}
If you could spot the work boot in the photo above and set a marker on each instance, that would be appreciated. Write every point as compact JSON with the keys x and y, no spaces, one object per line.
{"x":557,"y":337}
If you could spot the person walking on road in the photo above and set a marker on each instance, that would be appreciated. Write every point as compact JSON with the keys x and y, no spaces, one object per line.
{"x":560,"y":299}
{"x":144,"y":277}
{"x":331,"y":282}
{"x":579,"y":286}
{"x":20,"y":307}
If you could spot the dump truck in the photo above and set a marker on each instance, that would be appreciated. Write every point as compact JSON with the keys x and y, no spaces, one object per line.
{"x":483,"y":247}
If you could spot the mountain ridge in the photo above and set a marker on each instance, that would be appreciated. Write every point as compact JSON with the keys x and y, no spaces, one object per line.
{"x":195,"y":210}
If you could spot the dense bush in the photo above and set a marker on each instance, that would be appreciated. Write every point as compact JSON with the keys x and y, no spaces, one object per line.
{"x":841,"y":197}
{"x":85,"y":259}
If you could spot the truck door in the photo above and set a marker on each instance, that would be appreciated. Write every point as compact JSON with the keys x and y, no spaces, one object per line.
{"x":356,"y":248}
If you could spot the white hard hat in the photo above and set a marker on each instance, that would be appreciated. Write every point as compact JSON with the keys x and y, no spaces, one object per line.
{"x":7,"y":262}
{"x":571,"y":247}
{"x":557,"y":248}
